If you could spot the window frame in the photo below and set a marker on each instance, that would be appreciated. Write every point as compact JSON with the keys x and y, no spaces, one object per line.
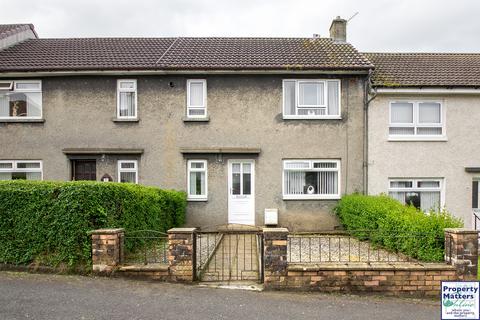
{"x":13,"y":88}
{"x":415,"y":187}
{"x":415,"y":123}
{"x":119,"y":90}
{"x":325,"y":99}
{"x":195,"y":197}
{"x":310,"y":169}
{"x":204,"y":106}
{"x":15,"y":167}
{"x":120,"y":169}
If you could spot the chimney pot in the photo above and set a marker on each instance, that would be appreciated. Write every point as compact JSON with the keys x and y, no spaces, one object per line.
{"x":338,"y":30}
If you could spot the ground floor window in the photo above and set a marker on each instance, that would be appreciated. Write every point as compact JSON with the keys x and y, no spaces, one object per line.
{"x":311,"y":179}
{"x":20,"y":170}
{"x":128,"y":171}
{"x":424,"y":194}
{"x":197,"y":179}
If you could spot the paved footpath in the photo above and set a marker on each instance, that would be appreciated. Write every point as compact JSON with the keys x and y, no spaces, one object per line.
{"x":36,"y":296}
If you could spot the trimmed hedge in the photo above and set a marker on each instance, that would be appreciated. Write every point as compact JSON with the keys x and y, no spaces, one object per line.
{"x":47,"y":222}
{"x":395,"y":226}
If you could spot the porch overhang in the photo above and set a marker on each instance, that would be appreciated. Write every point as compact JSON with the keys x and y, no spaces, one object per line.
{"x":82,"y":151}
{"x":226,"y":150}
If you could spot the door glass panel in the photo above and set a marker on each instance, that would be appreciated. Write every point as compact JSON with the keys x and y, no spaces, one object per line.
{"x":247,"y":178}
{"x":236,"y":178}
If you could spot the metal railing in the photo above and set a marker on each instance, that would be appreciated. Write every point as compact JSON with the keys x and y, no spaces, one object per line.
{"x":346,"y":246}
{"x":476,"y":218}
{"x":146,"y":247}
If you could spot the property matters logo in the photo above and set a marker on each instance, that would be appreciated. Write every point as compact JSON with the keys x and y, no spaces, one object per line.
{"x":460,"y":300}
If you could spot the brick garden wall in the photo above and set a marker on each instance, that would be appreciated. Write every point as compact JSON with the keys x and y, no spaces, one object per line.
{"x":399,"y":279}
{"x":411,"y":280}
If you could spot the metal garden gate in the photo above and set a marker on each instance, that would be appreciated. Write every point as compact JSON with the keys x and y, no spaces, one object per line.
{"x":229,"y":256}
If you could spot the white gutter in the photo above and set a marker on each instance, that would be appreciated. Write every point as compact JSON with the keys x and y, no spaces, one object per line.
{"x":174,"y":72}
{"x":428,"y":91}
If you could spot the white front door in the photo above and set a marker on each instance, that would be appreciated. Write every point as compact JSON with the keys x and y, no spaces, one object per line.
{"x":241,"y":192}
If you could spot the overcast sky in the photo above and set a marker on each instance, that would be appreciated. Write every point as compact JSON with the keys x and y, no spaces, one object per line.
{"x":382,"y":25}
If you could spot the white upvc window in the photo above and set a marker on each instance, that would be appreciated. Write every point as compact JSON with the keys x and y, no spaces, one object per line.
{"x":311,"y":179}
{"x":21,"y":170}
{"x":128,"y":171}
{"x":416,"y":120}
{"x":21,"y":99}
{"x":425,"y":194}
{"x":196,"y":98}
{"x":197,"y":180}
{"x":311,"y":99}
{"x":127,"y":99}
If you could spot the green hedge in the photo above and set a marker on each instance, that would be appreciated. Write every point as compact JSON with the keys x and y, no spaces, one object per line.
{"x":395,"y":226}
{"x":47,"y":222}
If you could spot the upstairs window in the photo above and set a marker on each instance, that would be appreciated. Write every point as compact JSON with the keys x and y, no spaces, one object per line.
{"x":21,"y":99}
{"x":196,"y":98}
{"x":311,"y":99}
{"x":20,"y":170}
{"x":424,"y":194}
{"x":128,"y":171}
{"x":311,"y":179}
{"x":197,"y":180}
{"x":416,"y":119}
{"x":127,"y":99}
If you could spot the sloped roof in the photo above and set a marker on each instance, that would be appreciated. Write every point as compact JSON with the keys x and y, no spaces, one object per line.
{"x":425,"y":69}
{"x":77,"y":54}
{"x":7,"y":30}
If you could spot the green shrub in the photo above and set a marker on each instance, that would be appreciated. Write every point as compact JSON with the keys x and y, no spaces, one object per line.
{"x":47,"y":222}
{"x":395,"y":226}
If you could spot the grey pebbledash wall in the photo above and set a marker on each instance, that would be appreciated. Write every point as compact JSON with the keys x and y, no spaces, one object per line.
{"x":244,"y":110}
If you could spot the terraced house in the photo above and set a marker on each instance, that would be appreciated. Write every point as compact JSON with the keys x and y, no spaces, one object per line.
{"x":253,"y":129}
{"x":424,"y":130}
{"x":244,"y":125}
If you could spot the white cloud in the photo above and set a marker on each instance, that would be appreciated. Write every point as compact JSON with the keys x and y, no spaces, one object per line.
{"x":408,"y":25}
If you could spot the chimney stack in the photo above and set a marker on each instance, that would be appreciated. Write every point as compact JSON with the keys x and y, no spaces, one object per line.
{"x":338,"y":30}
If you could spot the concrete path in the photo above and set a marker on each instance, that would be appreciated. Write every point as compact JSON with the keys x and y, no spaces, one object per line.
{"x":30,"y":296}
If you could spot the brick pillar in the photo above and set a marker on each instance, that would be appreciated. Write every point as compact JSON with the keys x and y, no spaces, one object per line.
{"x":181,"y":254}
{"x":275,"y":257}
{"x":461,"y":251}
{"x":107,"y":249}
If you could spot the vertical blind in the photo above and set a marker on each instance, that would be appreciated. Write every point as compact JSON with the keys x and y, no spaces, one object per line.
{"x":307,"y":98}
{"x":196,"y":94}
{"x":127,"y":98}
{"x":311,"y":177}
{"x":127,"y":104}
{"x":429,"y":192}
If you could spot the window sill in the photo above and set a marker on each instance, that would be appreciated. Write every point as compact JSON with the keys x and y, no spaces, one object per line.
{"x":335,"y":197}
{"x":197,"y":199}
{"x":22,"y":120}
{"x":205,"y":119}
{"x":419,"y":139}
{"x":312,"y":118}
{"x":125,"y":120}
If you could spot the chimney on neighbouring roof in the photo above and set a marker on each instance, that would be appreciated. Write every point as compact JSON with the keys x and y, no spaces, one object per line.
{"x":338,"y":30}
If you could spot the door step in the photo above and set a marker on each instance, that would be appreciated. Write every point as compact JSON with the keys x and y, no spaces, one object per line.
{"x":233,"y":285}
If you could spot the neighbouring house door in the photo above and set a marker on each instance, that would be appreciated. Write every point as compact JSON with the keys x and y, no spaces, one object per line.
{"x":475,"y":203}
{"x":84,"y":170}
{"x":241,"y":192}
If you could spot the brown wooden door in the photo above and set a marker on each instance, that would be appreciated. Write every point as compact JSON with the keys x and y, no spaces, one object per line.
{"x":84,"y":170}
